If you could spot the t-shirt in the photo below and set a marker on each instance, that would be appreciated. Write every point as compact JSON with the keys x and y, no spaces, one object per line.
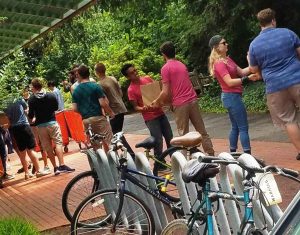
{"x":176,"y":75}
{"x":86,"y":96}
{"x":16,"y":113}
{"x":134,"y":94}
{"x":222,"y":68}
{"x":113,"y":93}
{"x":42,"y":106}
{"x":274,"y":52}
{"x":59,"y":98}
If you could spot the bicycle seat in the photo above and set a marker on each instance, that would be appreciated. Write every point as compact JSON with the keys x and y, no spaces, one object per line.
{"x":148,"y":143}
{"x":188,"y":140}
{"x":197,"y":172}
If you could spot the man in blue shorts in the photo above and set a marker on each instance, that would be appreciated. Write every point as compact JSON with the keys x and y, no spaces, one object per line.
{"x":275,"y":52}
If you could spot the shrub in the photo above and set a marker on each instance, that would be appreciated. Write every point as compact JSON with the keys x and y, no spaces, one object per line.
{"x":17,"y":226}
{"x":253,"y":97}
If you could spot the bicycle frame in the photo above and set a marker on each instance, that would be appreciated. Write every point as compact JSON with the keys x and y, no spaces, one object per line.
{"x":210,"y":196}
{"x":126,"y":174}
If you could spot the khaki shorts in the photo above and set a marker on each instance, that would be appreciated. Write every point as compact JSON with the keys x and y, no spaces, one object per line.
{"x":99,"y":125}
{"x":48,"y":135}
{"x":284,"y":106}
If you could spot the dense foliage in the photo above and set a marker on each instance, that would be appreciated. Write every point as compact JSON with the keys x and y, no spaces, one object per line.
{"x":116,"y":32}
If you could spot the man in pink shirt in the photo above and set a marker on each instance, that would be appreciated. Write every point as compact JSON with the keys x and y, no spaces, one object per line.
{"x":155,"y":118}
{"x":178,"y":89}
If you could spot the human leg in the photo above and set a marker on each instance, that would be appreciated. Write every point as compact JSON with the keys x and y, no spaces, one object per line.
{"x":3,"y":153}
{"x":283,"y":106}
{"x":117,"y":123}
{"x":155,"y":131}
{"x":238,"y":117}
{"x":182,"y":119}
{"x":38,"y":140}
{"x":101,"y":126}
{"x":197,"y":121}
{"x":233,"y":134}
{"x":166,"y":129}
{"x":47,"y":144}
{"x":116,"y":126}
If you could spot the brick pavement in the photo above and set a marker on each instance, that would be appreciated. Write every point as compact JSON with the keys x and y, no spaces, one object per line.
{"x":39,"y":200}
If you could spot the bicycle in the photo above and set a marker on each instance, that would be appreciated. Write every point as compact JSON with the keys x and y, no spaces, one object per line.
{"x":200,"y":173}
{"x":118,"y":210}
{"x":188,"y":143}
{"x":84,"y":183}
{"x":87,"y":182}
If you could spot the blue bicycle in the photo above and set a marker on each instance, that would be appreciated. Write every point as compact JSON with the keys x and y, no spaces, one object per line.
{"x":200,"y":173}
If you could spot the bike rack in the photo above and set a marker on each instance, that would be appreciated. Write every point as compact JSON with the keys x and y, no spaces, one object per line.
{"x":156,"y":207}
{"x":289,"y":222}
{"x":187,"y":192}
{"x":238,"y":176}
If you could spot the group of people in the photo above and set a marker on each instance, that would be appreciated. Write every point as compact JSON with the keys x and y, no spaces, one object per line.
{"x":277,"y":63}
{"x":96,"y":100}
{"x":274,"y":56}
{"x":33,"y":121}
{"x":274,"y":61}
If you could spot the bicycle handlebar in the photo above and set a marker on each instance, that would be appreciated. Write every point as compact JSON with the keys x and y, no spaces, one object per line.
{"x":270,"y":168}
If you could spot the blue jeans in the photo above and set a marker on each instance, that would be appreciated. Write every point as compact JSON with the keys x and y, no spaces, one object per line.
{"x":239,"y":124}
{"x":160,"y":127}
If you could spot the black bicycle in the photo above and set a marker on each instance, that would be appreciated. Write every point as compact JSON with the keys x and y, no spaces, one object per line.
{"x":86,"y":183}
{"x":118,"y":210}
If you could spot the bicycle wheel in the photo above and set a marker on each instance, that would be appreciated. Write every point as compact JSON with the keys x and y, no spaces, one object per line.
{"x":96,"y":214}
{"x":178,"y":227}
{"x":81,"y":186}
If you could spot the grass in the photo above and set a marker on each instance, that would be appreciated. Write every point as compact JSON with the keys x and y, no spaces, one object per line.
{"x":17,"y":226}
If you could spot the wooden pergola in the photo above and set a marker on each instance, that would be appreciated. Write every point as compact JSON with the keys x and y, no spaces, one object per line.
{"x":24,"y":21}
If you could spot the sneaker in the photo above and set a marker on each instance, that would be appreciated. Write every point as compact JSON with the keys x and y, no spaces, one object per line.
{"x":21,"y":170}
{"x":8,"y":176}
{"x":47,"y":169}
{"x":28,"y":176}
{"x":56,"y":170}
{"x":298,"y":156}
{"x":42,"y":173}
{"x":65,"y":168}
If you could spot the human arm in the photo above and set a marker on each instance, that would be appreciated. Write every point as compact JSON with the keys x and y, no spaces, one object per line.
{"x":164,"y":96}
{"x":31,"y":109}
{"x":298,"y":52}
{"x":75,"y":108}
{"x":103,"y":101}
{"x":221,"y":71}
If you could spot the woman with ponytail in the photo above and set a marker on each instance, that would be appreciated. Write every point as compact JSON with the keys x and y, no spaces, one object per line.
{"x":231,"y":77}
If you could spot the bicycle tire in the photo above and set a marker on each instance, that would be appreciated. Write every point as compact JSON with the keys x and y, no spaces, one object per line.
{"x":90,"y":183}
{"x":178,"y":227}
{"x":90,"y":216}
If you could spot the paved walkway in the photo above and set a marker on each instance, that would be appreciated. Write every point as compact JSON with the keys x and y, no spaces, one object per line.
{"x":39,"y":200}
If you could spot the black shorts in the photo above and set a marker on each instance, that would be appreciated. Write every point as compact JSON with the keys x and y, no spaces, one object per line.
{"x":24,"y":137}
